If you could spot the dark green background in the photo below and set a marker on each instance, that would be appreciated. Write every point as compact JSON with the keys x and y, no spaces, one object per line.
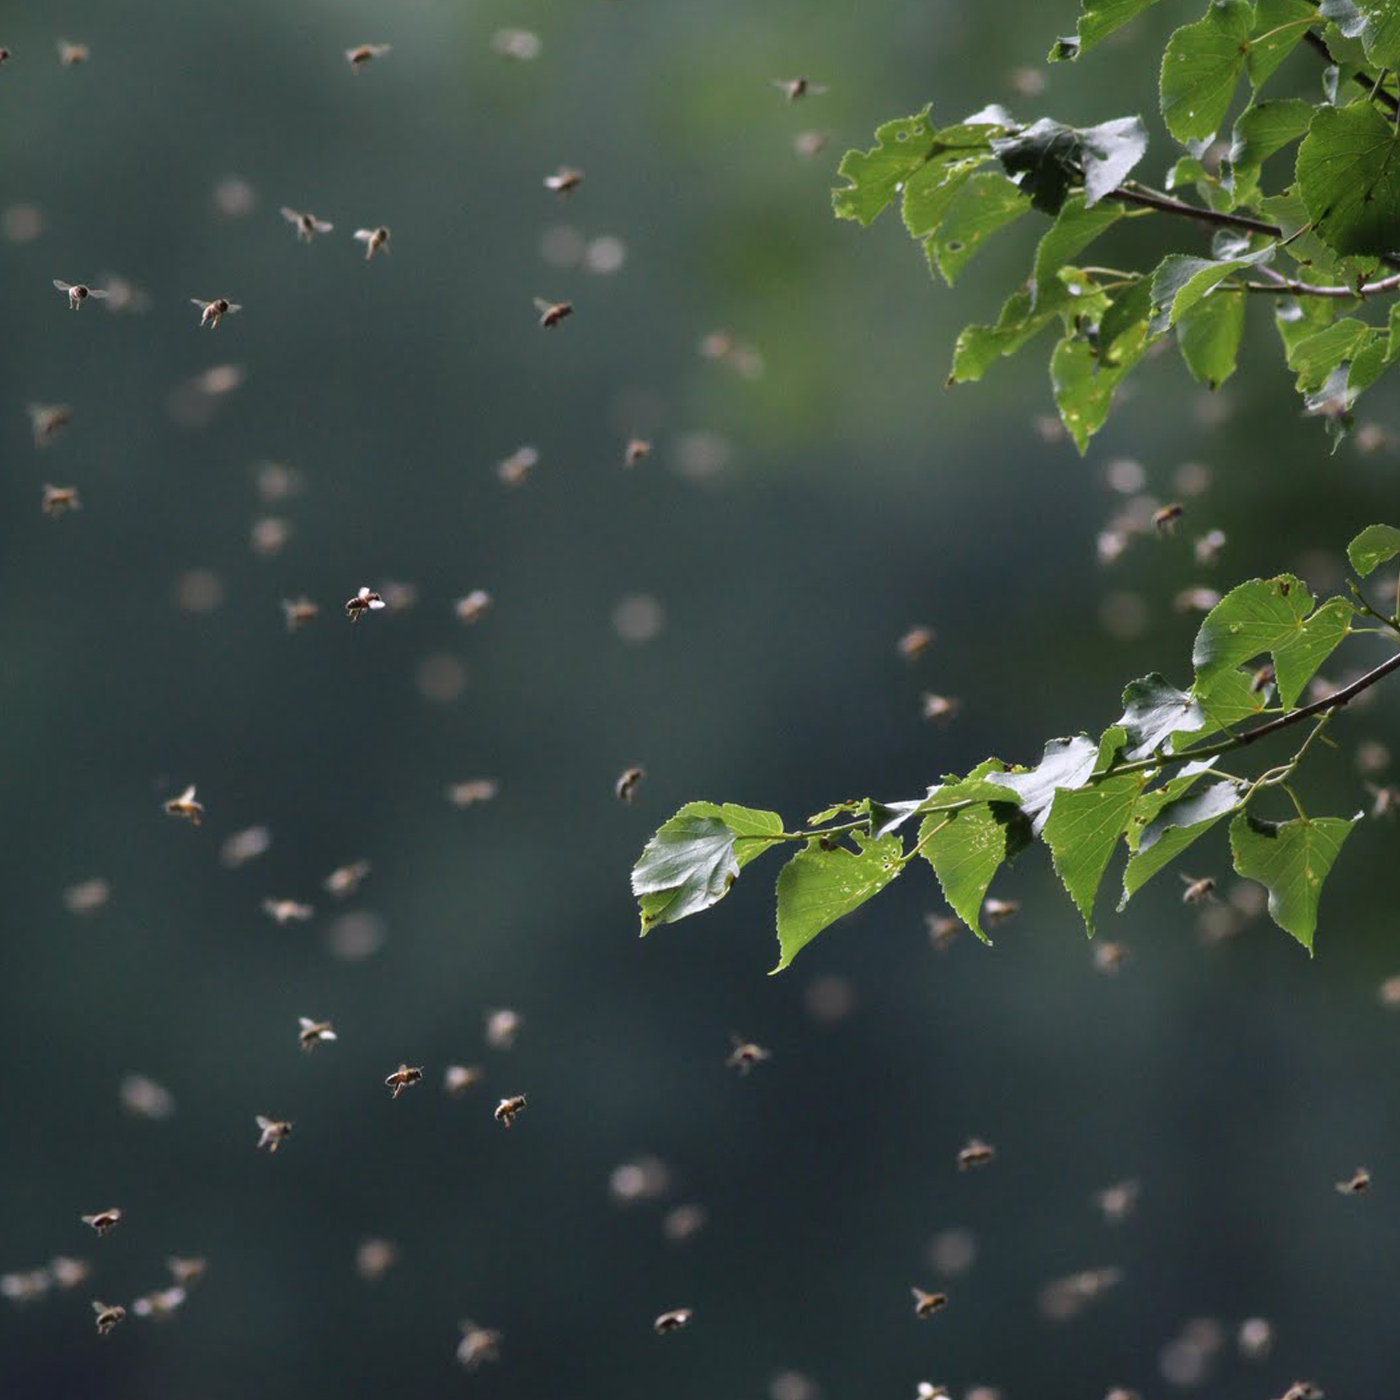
{"x":860,"y":497}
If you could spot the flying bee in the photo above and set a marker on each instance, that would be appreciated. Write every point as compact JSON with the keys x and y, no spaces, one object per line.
{"x":211,"y":311}
{"x":161,"y":1304}
{"x":502,"y":1027}
{"x":25,"y":1287}
{"x":1255,"y":1338}
{"x":104,"y":1221}
{"x":1357,"y":1184}
{"x":673,"y":1321}
{"x":926,"y":1304}
{"x":286,"y":911}
{"x":745,"y":1055}
{"x":47,"y":420}
{"x":793,"y":88}
{"x":185,"y":806}
{"x":625,"y":788}
{"x":975,"y":1154}
{"x":272,"y":1132}
{"x":810,"y":144}
{"x":478,"y":1345}
{"x":1196,"y":599}
{"x":942,"y":929}
{"x":1111,"y":958}
{"x":374,"y":239}
{"x":941,"y":709}
{"x":346,"y":879}
{"x":78,"y":292}
{"x":1384,"y":800}
{"x":1302,"y":1390}
{"x":1198,"y":891}
{"x":458,"y":1079}
{"x":1208,"y":546}
{"x":306,"y":224}
{"x":1116,"y":1202}
{"x":915,"y":642}
{"x":58,"y":499}
{"x":472,"y":791}
{"x":108,"y":1315}
{"x":366,"y":600}
{"x":313,"y":1033}
{"x":514,"y":469}
{"x":374,"y":1258}
{"x":1164,"y":520}
{"x":365,"y":53}
{"x":298,"y":612}
{"x":637,"y":448}
{"x":4,"y":55}
{"x":998,"y":911}
{"x":402,"y":1078}
{"x":683,"y":1222}
{"x":142,"y":1097}
{"x":474,"y":606}
{"x":70,"y":55}
{"x":186,"y":1271}
{"x":552,"y":312}
{"x":69,"y":1273}
{"x":519,"y":44}
{"x":564,"y":181}
{"x":508,"y":1108}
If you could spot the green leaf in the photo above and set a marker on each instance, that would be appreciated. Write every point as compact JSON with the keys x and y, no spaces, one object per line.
{"x":1208,"y":336}
{"x":1043,"y":160}
{"x":1375,"y":22}
{"x":1082,"y":831}
{"x":1099,"y":19}
{"x":1372,"y":547}
{"x":978,"y":347}
{"x":695,"y":857}
{"x":1262,"y":131}
{"x":985,"y":203}
{"x":1110,"y":152}
{"x":1291,"y":860}
{"x":1151,"y":802}
{"x":1074,"y":229}
{"x":1349,"y":177}
{"x":876,"y":177}
{"x":1226,"y":699}
{"x":1066,"y":763}
{"x":966,"y":849}
{"x":1084,"y":384}
{"x":1177,"y":824}
{"x":1316,"y":356}
{"x":1181,"y":281}
{"x":1279,"y":26}
{"x":1131,"y":307}
{"x":1154,"y":710}
{"x":1201,"y":67}
{"x":817,"y":887}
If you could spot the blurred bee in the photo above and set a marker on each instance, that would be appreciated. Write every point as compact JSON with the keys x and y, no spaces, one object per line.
{"x":25,"y":1287}
{"x":809,"y":144}
{"x":1197,"y":891}
{"x":1119,"y":1393}
{"x":1388,"y":993}
{"x":402,"y":1078}
{"x":458,"y":1079}
{"x":313,"y":1033}
{"x":519,"y":44}
{"x":514,"y":469}
{"x":4,"y":55}
{"x":374,"y":1258}
{"x":1116,"y":1203}
{"x":931,"y":1390}
{"x":365,"y":53}
{"x":1357,"y":1184}
{"x":637,"y":448}
{"x":211,"y":311}
{"x":142,"y":1097}
{"x":926,"y":1304}
{"x":478,"y":1345}
{"x":915,"y":642}
{"x":272,"y":1132}
{"x":161,"y":1304}
{"x":69,"y":1273}
{"x":673,"y":1321}
{"x":474,"y":606}
{"x":508,"y":1108}
{"x":941,"y":709}
{"x":502,"y":1027}
{"x":269,"y":536}
{"x":625,"y":788}
{"x":1064,"y":1298}
{"x":104,"y":1221}
{"x":123,"y":295}
{"x":472,"y":791}
{"x":1165,"y":519}
{"x":998,"y":911}
{"x":346,"y":879}
{"x":745,"y":1055}
{"x":683,"y":1222}
{"x":1302,"y":1390}
{"x":1200,"y":600}
{"x":552,"y":312}
{"x":564,"y":181}
{"x":366,"y":600}
{"x":58,"y":499}
{"x":306,"y":224}
{"x":793,"y":88}
{"x":975,"y":1154}
{"x":70,"y":55}
{"x":1208,"y":546}
{"x":1255,"y":1338}
{"x":374,"y":239}
{"x":245,"y":845}
{"x":47,"y":420}
{"x":87,"y":896}
{"x":186,"y":1271}
{"x":286,"y":911}
{"x":185,"y":806}
{"x":78,"y":292}
{"x":942,"y":929}
{"x":1384,"y":800}
{"x":108,"y":1315}
{"x":298,"y":612}
{"x":1110,"y":958}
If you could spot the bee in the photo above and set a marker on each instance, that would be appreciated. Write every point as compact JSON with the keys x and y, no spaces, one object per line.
{"x":508,"y":1108}
{"x":1357,"y":1184}
{"x":942,"y":929}
{"x":374,"y":239}
{"x":365,"y":53}
{"x":307,"y":225}
{"x":564,"y":181}
{"x":673,"y":1321}
{"x":25,"y":1287}
{"x":402,"y":1078}
{"x":1302,"y":1390}
{"x":809,"y":144}
{"x":104,"y":1221}
{"x":1116,"y":1203}
{"x":272,"y":1132}
{"x":552,"y":312}
{"x":78,"y":292}
{"x":474,"y":790}
{"x":160,"y":1304}
{"x":211,"y":311}
{"x":87,"y":896}
{"x":108,"y":1315}
{"x":1208,"y":546}
{"x":931,"y":1390}
{"x":1384,"y":800}
{"x":1388,"y":993}
{"x":366,"y":600}
{"x":346,"y":879}
{"x":915,"y":642}
{"x":625,"y":788}
{"x":1120,"y":1393}
{"x":683,"y":1222}
{"x":458,"y":1079}
{"x":185,"y":806}
{"x":48,"y":420}
{"x":1064,"y":1298}
{"x":998,"y":911}
{"x":502,"y":1027}
{"x":269,"y":536}
{"x":645,"y":1180}
{"x":519,"y":44}
{"x":313,"y":1033}
{"x":474,"y":606}
{"x":1197,"y":891}
{"x":941,"y":709}
{"x":123,"y":295}
{"x":637,"y":448}
{"x":1165,"y":519}
{"x":1111,"y":958}
{"x":975,"y":1153}
{"x":1200,"y":600}
{"x":514,"y":469}
{"x":58,"y":499}
{"x":285,"y":911}
{"x":478,"y":1345}
{"x":745,"y":1055}
{"x":245,"y":845}
{"x":186,"y":1271}
{"x":4,"y":55}
{"x":793,"y":88}
{"x":926,"y":1304}
{"x":69,"y":1273}
{"x":70,"y":55}
{"x":142,"y":1097}
{"x":1255,"y":1338}
{"x":374,"y":1258}
{"x":298,"y":612}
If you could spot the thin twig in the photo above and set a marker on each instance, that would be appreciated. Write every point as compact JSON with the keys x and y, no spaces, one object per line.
{"x":1361,"y":79}
{"x":1150,"y":199}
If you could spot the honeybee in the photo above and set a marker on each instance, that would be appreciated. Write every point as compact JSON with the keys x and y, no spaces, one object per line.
{"x":472,"y":791}
{"x":625,"y":788}
{"x":313,"y":1033}
{"x":976,"y":1153}
{"x":47,"y":420}
{"x":810,"y":144}
{"x":1116,"y":1202}
{"x":457,"y":1079}
{"x":942,"y":929}
{"x":478,"y":1345}
{"x":1208,"y":546}
{"x":160,"y":1304}
{"x":564,"y":181}
{"x":998,"y":911}
{"x":1111,"y":958}
{"x":58,"y":499}
{"x":374,"y":239}
{"x":745,"y":1055}
{"x":552,"y":312}
{"x":793,"y":88}
{"x":1165,"y":519}
{"x":514,"y":469}
{"x":926,"y":1304}
{"x":402,"y":1078}
{"x":142,"y":1097}
{"x":1262,"y":679}
{"x":186,"y":1271}
{"x":366,"y":600}
{"x":185,"y":806}
{"x":915,"y":642}
{"x":70,"y":55}
{"x":1197,"y":891}
{"x":374,"y":1258}
{"x":245,"y":845}
{"x":1357,"y":1184}
{"x":108,"y":1315}
{"x":474,"y":606}
{"x":78,"y":292}
{"x":508,"y":1108}
{"x":272,"y":1132}
{"x":673,"y":1321}
{"x":1384,"y":800}
{"x":1302,"y":1390}
{"x":211,"y":311}
{"x":364,"y":53}
{"x":519,"y":44}
{"x":69,"y":1273}
{"x":4,"y":55}
{"x":26,"y":1286}
{"x":502,"y":1027}
{"x":286,"y":911}
{"x":941,"y":709}
{"x":104,"y":1221}
{"x":306,"y":224}
{"x":346,"y":879}
{"x":1255,"y":1338}
{"x":298,"y":612}
{"x":637,"y":448}
{"x":683,"y":1222}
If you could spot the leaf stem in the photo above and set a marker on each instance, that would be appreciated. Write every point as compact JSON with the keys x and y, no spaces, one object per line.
{"x":924,"y":840}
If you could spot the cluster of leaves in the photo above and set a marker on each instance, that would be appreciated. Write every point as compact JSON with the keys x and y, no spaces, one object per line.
{"x":1317,"y":243}
{"x":1151,"y":781}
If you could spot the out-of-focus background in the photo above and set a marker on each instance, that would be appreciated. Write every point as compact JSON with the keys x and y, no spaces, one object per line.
{"x":725,"y":614}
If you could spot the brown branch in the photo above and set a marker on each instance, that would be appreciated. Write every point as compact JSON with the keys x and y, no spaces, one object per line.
{"x":1360,"y":79}
{"x":1165,"y":204}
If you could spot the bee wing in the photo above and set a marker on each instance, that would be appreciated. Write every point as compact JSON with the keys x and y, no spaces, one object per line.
{"x":322,"y":225}
{"x":198,"y":301}
{"x":62,"y":285}
{"x":98,"y":292}
{"x":186,"y":796}
{"x":542,"y":305}
{"x":263,"y":1123}
{"x":377,"y":603}
{"x":363,"y":235}
{"x":233,"y":306}
{"x":379,"y":50}
{"x":307,"y":1024}
{"x":291,"y":215}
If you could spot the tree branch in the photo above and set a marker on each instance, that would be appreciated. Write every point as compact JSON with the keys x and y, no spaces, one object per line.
{"x":1364,"y":80}
{"x":1165,"y":204}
